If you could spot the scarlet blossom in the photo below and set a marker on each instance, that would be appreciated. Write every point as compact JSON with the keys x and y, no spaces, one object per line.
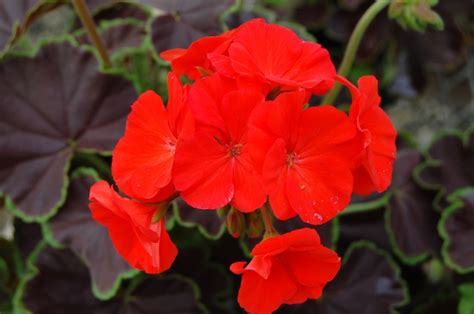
{"x":193,"y":61}
{"x":143,"y":158}
{"x":289,"y":268}
{"x":144,"y":244}
{"x":376,"y":137}
{"x":215,"y":166}
{"x":303,"y":157}
{"x":274,"y":55}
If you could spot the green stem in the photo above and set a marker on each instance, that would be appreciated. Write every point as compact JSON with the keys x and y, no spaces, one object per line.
{"x":92,"y":160}
{"x":366,"y":206}
{"x":89,"y":25}
{"x":353,"y":45}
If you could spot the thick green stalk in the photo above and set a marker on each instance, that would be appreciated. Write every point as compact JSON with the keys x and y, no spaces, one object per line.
{"x":89,"y":25}
{"x":353,"y":45}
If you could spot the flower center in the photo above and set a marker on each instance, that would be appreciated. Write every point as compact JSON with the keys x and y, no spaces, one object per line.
{"x":235,"y":150}
{"x":291,"y":159}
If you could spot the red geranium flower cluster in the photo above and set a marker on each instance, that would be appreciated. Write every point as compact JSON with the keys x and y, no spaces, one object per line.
{"x":243,"y":136}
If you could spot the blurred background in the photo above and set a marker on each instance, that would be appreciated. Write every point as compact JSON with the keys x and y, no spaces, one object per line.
{"x":62,"y":109}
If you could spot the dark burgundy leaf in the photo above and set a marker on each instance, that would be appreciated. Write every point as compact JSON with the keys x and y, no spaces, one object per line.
{"x":213,"y":279}
{"x":62,"y":285}
{"x":51,"y":105}
{"x":240,"y":17}
{"x":184,"y":21}
{"x":314,"y":14}
{"x":351,"y":4}
{"x":438,"y":305}
{"x":457,"y":230}
{"x":363,"y":226}
{"x":369,"y":282}
{"x":207,"y":221}
{"x":27,"y":237}
{"x":411,"y":219}
{"x":74,"y":228}
{"x":449,"y":42}
{"x":451,"y":165}
{"x":376,"y":37}
{"x":116,"y":37}
{"x":121,"y":10}
{"x":13,"y":13}
{"x":96,"y":5}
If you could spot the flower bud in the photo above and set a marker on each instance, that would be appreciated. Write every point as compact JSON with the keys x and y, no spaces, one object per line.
{"x":255,"y":224}
{"x":160,"y":212}
{"x":235,"y":222}
{"x":415,"y":14}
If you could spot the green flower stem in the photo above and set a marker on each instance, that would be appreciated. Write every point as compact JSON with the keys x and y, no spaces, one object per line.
{"x":88,"y":22}
{"x":353,"y":45}
{"x":366,"y":206}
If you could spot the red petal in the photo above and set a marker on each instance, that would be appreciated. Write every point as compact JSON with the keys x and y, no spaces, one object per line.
{"x":304,"y":238}
{"x":187,"y":61}
{"x":172,"y":54}
{"x":236,"y":108}
{"x":248,"y":186}
{"x":318,"y":188}
{"x":237,"y":267}
{"x":205,"y":99}
{"x":259,"y":295}
{"x":143,"y":158}
{"x":321,"y":129}
{"x":222,"y":64}
{"x":265,"y":50}
{"x":275,"y":174}
{"x":203,"y":172}
{"x":313,"y":268}
{"x":180,"y":117}
{"x":313,"y":70}
{"x":363,"y":184}
{"x":144,"y":246}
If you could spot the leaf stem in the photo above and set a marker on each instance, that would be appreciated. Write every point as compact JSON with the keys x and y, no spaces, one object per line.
{"x":89,"y":25}
{"x":353,"y":46}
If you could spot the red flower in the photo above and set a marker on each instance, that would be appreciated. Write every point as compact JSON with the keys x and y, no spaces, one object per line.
{"x":215,"y":167}
{"x":143,"y":244}
{"x":306,"y":170}
{"x":193,"y":61}
{"x":290,"y":269}
{"x":275,"y":55}
{"x":376,"y":137}
{"x":143,"y":159}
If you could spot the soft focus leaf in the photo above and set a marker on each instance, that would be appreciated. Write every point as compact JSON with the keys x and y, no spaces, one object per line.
{"x":183,"y":21}
{"x":410,"y":217}
{"x":13,"y":13}
{"x":74,"y":228}
{"x":450,"y":166}
{"x":59,"y":103}
{"x":60,"y":283}
{"x":457,"y":230}
{"x":207,"y":221}
{"x":118,"y":36}
{"x":367,"y":225}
